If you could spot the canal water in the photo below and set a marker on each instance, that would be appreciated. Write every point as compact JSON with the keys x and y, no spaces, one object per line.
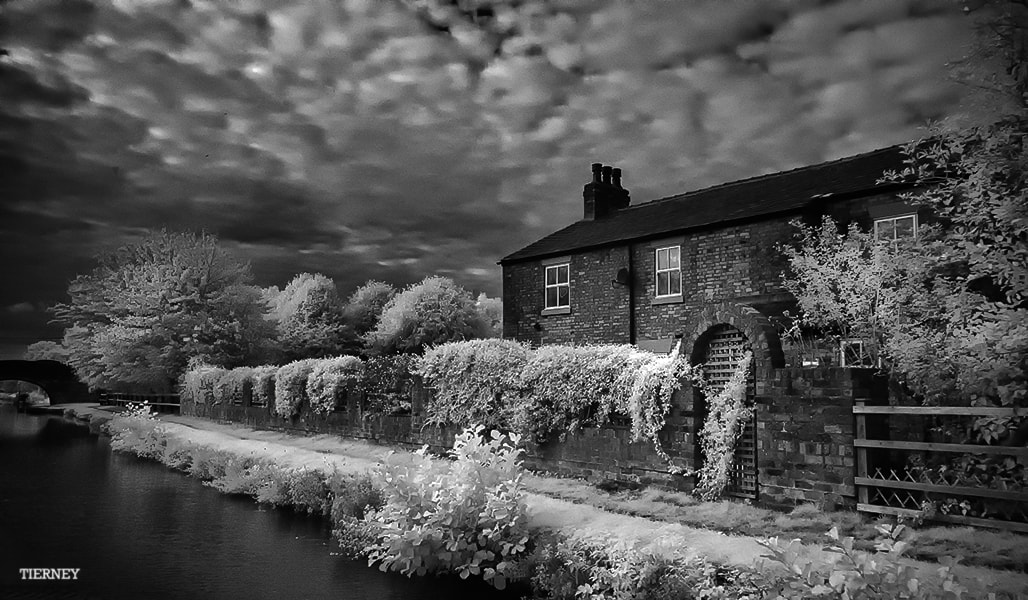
{"x":136,"y":529}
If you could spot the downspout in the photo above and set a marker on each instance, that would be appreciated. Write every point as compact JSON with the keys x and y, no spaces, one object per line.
{"x":631,"y":297}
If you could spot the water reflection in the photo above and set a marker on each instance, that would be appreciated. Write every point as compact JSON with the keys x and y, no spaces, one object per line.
{"x":139,"y":530}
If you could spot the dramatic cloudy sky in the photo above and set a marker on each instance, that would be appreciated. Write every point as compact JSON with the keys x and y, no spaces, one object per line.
{"x":394,"y":139}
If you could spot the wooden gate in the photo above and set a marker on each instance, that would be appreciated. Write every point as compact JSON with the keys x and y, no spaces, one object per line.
{"x":885,"y":487}
{"x":725,"y":349}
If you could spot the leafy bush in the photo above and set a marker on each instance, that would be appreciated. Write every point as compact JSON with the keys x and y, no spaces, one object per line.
{"x":387,"y":384}
{"x":236,"y":386}
{"x":433,"y":311}
{"x":199,"y":384}
{"x":264,"y":385}
{"x":291,"y":387}
{"x":573,"y":569}
{"x":137,"y":429}
{"x":475,"y":382}
{"x":467,"y":516}
{"x":848,"y":573}
{"x":352,"y":497}
{"x":308,"y":492}
{"x":330,"y":378}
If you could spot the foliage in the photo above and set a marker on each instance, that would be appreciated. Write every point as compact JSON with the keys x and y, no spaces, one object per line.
{"x":364,"y":307}
{"x":291,"y":387}
{"x":843,"y":572}
{"x":235,"y":386}
{"x":573,"y":568}
{"x":330,"y":379}
{"x":200,"y":384}
{"x":467,"y":516}
{"x":727,"y":413}
{"x":434,"y":311}
{"x":387,"y":384}
{"x":264,"y":385}
{"x":309,"y":316}
{"x":138,"y":429}
{"x":47,"y":350}
{"x":553,"y":390}
{"x":352,"y":497}
{"x":477,"y":381}
{"x":491,"y":311}
{"x":148,"y":308}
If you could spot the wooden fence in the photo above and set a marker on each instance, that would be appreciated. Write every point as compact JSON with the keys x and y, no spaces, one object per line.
{"x":884,"y":489}
{"x":160,"y":402}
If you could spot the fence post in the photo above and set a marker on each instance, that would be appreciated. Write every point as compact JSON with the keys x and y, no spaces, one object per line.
{"x":861,"y":452}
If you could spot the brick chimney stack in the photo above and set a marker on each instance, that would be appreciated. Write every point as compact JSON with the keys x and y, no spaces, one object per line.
{"x":604,"y":195}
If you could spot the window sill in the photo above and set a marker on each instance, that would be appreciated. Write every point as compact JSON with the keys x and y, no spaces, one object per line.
{"x":676,"y":299}
{"x":563,"y":310}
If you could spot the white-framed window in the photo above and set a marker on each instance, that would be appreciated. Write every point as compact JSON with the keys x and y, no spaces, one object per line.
{"x":855,"y":353}
{"x":669,"y":271}
{"x":895,"y":229}
{"x":558,"y":286}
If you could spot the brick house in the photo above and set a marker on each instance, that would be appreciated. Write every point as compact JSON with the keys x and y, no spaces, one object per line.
{"x":701,"y":267}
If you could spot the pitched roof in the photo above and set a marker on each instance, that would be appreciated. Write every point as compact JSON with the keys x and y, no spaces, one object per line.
{"x":718,"y":205}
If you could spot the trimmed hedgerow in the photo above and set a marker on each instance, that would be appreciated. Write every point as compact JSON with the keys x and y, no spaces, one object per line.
{"x":264,"y":385}
{"x":236,"y":386}
{"x":330,"y":378}
{"x":291,"y":387}
{"x":387,"y":383}
{"x":476,"y":381}
{"x":199,"y":384}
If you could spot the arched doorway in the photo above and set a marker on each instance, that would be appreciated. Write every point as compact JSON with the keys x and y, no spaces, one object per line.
{"x":719,"y":350}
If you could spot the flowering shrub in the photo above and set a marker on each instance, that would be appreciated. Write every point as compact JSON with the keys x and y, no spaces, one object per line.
{"x":138,"y":429}
{"x":475,"y":381}
{"x":199,"y":384}
{"x":387,"y":383}
{"x":727,"y":414}
{"x":236,"y":386}
{"x":843,"y":572}
{"x":467,"y":516}
{"x":291,"y":387}
{"x":330,"y":378}
{"x":264,"y":385}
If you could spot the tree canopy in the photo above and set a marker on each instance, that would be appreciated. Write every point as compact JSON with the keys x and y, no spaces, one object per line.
{"x":434,"y":311}
{"x":309,"y":317}
{"x":150,"y":307}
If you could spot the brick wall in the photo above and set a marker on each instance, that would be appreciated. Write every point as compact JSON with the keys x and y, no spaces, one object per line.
{"x":805,"y":431}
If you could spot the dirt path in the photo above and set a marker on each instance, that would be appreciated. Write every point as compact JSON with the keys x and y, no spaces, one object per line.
{"x":578,"y":520}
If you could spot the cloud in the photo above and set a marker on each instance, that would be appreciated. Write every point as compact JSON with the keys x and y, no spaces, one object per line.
{"x":21,"y":307}
{"x":377,"y":140}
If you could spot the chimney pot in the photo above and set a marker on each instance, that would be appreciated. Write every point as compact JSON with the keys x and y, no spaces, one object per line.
{"x":606,"y":174}
{"x":615,"y":175}
{"x":596,"y":172}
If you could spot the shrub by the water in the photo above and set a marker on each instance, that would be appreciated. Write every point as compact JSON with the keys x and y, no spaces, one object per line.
{"x":291,"y":387}
{"x":466,"y":516}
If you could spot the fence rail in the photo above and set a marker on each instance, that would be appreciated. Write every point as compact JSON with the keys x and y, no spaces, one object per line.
{"x":884,"y":490}
{"x":163,"y":402}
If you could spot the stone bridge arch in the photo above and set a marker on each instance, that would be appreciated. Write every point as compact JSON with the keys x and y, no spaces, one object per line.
{"x":57,"y":379}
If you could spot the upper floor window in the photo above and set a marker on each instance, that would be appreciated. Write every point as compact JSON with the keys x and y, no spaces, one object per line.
{"x":558,"y":286}
{"x":894,"y":229}
{"x":669,"y":271}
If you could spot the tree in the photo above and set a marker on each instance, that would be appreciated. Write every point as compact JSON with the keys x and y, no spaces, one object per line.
{"x":140,"y":316}
{"x":949,"y":312}
{"x":363,"y":310}
{"x":491,"y":311}
{"x":434,"y":311}
{"x":309,"y":317}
